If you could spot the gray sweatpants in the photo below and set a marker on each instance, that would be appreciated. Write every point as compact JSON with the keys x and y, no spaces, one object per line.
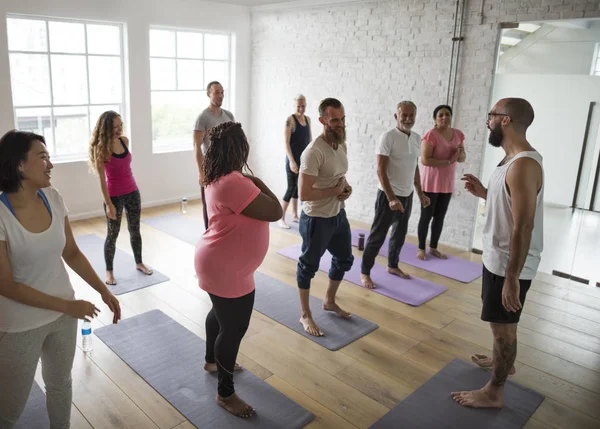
{"x":19,"y":356}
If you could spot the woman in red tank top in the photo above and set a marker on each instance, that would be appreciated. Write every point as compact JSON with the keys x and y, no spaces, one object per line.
{"x":111,"y":159}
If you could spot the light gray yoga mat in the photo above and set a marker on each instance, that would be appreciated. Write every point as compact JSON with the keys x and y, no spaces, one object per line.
{"x":170,"y":358}
{"x":127,"y":276}
{"x":432,"y":407}
{"x":35,"y":414}
{"x":185,"y":228}
{"x":281,"y":302}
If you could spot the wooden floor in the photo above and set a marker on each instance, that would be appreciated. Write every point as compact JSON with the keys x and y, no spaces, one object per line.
{"x":558,"y":353}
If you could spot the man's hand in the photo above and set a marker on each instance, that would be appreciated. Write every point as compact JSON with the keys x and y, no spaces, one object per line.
{"x":396,"y":205}
{"x":345,"y":193}
{"x":474,"y":186}
{"x":425,"y":201}
{"x":510,"y":295}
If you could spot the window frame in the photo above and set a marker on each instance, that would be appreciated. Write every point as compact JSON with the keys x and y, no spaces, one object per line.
{"x":58,"y":159}
{"x":186,"y":147}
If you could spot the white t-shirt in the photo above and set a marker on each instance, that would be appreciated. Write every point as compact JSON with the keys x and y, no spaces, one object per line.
{"x":403,"y":152}
{"x":328,"y":165}
{"x":499,"y":223}
{"x":36,"y":261}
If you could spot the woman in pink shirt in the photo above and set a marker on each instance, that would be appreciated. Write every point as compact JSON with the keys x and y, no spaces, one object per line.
{"x":239,"y":208}
{"x":441,"y":148}
{"x":111,"y":158}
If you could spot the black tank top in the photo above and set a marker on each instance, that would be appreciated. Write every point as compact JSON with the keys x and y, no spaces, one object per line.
{"x":299,"y":139}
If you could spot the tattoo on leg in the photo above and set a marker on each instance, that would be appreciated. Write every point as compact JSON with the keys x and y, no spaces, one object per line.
{"x":505,"y":354}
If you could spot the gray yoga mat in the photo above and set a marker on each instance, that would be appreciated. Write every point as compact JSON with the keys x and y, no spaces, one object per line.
{"x":170,"y":358}
{"x":183,"y":227}
{"x":127,"y":276}
{"x":35,"y":414}
{"x":281,"y":302}
{"x":432,"y":407}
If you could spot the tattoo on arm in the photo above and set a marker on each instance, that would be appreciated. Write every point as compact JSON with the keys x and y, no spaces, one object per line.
{"x":505,"y":354}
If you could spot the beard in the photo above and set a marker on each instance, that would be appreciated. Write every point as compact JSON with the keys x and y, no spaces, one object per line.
{"x":338,"y":137}
{"x":496,"y":136}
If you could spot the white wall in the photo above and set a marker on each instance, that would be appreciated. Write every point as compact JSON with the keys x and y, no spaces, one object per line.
{"x":558,"y":129}
{"x":370,"y":55}
{"x":160,"y":177}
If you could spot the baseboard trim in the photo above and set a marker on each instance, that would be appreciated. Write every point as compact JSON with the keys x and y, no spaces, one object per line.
{"x":477,"y":251}
{"x":570,"y":277}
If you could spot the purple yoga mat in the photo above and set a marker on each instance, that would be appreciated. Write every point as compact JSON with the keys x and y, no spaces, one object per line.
{"x":455,"y":268}
{"x":413,"y":292}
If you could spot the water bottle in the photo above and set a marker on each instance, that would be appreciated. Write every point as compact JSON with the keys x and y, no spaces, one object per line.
{"x":184,"y":205}
{"x":361,"y":241}
{"x":86,"y":335}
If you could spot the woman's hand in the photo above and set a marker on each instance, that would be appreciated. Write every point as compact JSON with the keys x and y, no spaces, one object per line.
{"x":111,"y":211}
{"x":294,"y":166}
{"x":113,"y":303}
{"x":81,"y":309}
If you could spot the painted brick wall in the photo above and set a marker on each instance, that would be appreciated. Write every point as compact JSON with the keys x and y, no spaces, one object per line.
{"x":371,"y":55}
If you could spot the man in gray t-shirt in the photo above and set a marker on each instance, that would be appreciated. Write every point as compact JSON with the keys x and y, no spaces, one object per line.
{"x":210,"y":117}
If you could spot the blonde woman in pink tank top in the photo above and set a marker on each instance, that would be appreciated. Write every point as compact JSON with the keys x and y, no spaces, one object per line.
{"x":111,"y":159}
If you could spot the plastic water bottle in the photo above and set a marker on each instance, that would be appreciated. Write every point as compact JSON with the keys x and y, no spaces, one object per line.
{"x":86,"y":334}
{"x":184,"y":205}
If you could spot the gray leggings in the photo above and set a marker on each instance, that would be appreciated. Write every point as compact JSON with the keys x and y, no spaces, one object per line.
{"x":19,"y":356}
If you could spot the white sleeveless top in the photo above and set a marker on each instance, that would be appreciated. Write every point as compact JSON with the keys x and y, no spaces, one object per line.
{"x":499,"y":223}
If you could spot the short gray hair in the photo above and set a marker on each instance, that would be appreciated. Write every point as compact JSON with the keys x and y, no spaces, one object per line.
{"x":404,"y":103}
{"x":299,"y":97}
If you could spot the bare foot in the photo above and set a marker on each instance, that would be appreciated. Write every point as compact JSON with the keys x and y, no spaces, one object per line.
{"x":144,"y":269}
{"x":421,"y":255}
{"x":365,"y":279}
{"x":336,"y":308}
{"x":236,"y":406}
{"x":437,"y":254}
{"x":311,"y":327}
{"x":110,"y":278}
{"x":212,"y":367}
{"x":398,"y":272}
{"x":478,"y":399}
{"x":283,"y":224}
{"x":295,"y":218}
{"x":486,"y":362}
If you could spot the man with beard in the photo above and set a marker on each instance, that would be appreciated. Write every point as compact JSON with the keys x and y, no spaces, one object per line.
{"x":323,"y":225}
{"x":512,"y":241}
{"x":397,"y":153}
{"x":210,"y":117}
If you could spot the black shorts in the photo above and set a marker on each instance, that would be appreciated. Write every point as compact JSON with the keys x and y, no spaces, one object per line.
{"x":491,"y":296}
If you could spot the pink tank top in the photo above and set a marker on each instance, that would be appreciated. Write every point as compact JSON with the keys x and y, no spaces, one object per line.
{"x":119,"y":177}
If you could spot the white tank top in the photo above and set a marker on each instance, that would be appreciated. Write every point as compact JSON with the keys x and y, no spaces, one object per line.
{"x":499,"y":223}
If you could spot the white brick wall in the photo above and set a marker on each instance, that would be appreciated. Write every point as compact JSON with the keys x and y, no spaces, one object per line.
{"x":370,"y":56}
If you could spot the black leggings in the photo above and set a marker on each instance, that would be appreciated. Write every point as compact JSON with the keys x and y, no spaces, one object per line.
{"x":436,"y":210}
{"x":292,"y":182}
{"x":133,"y":209}
{"x":226,"y":325}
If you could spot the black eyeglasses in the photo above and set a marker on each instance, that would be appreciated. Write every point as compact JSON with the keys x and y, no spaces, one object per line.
{"x":496,"y":114}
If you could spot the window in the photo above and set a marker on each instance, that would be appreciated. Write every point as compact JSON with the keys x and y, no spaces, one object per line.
{"x":182,"y":63}
{"x":596,"y":61}
{"x":64,"y":74}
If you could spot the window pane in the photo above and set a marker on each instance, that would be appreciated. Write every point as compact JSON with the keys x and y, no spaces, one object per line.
{"x":173,"y":116}
{"x":35,"y":120}
{"x":162,"y":73}
{"x":69,"y":79}
{"x":189,"y":74}
{"x":96,"y":111}
{"x":105,"y":80}
{"x":67,"y":37}
{"x":216,"y":47}
{"x":216,"y":70}
{"x":103,"y":39}
{"x":27,"y":35}
{"x":162,"y":43}
{"x":72,"y":130}
{"x":189,"y":45}
{"x":30,"y":79}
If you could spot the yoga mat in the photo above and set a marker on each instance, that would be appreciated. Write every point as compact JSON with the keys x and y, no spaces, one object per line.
{"x":179,"y":226}
{"x":432,"y":407}
{"x":413,"y":292}
{"x":171,"y":358}
{"x":281,"y":302}
{"x":455,"y":268}
{"x":127,"y":276}
{"x":35,"y":414}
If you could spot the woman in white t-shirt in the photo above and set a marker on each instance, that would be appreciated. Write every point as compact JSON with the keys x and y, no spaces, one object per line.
{"x":38,"y":310}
